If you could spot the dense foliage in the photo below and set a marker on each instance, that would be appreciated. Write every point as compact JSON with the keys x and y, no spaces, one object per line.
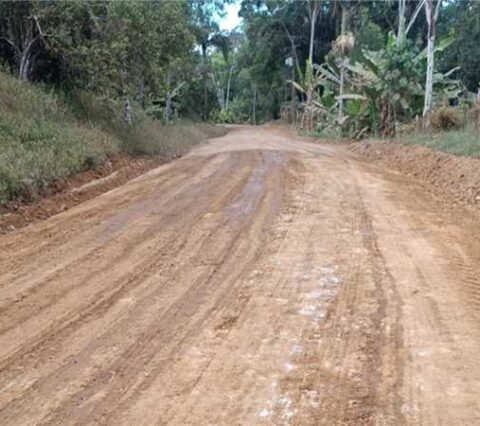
{"x":166,"y":59}
{"x":132,"y":55}
{"x":380,"y":82}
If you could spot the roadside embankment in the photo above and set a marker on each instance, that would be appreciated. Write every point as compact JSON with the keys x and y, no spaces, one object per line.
{"x":455,"y":175}
{"x":49,"y":152}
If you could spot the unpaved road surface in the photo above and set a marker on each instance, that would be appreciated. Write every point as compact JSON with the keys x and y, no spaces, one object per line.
{"x":261,"y":280}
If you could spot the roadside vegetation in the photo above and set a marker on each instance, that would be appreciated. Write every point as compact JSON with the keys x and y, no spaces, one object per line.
{"x":168,"y":141}
{"x":84,"y":80}
{"x":404,"y":70}
{"x":42,"y":141}
{"x":464,"y":142}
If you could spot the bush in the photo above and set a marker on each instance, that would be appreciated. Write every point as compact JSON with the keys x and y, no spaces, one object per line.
{"x":230,"y":116}
{"x":474,"y":115}
{"x":446,"y":118}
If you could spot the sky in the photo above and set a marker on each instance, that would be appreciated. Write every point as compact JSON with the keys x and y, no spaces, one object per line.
{"x":231,"y":19}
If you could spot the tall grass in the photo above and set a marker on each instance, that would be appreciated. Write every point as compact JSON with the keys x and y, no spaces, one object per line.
{"x":146,"y":136}
{"x":45,"y":137}
{"x":151,"y":138}
{"x":464,"y":142}
{"x":40,"y":141}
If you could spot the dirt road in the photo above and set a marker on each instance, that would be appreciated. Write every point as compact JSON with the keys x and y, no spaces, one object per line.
{"x":261,"y":279}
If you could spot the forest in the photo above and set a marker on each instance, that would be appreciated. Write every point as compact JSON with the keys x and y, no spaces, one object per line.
{"x":126,"y":69}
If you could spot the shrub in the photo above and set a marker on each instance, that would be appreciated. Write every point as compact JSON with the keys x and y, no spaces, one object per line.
{"x":474,"y":115}
{"x":446,"y":118}
{"x":230,"y":116}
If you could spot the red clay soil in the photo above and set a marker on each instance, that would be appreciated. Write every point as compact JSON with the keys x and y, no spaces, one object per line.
{"x":67,"y":193}
{"x":260,"y":280}
{"x":458,"y":177}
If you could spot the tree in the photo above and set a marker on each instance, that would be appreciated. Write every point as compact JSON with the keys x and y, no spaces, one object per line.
{"x":342,"y":49}
{"x":432,"y":10}
{"x":314,"y":7}
{"x":403,"y":28}
{"x":22,"y":33}
{"x":207,"y":34}
{"x":463,"y":17}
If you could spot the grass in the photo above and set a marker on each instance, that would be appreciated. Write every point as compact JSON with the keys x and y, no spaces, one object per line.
{"x":464,"y":142}
{"x":44,"y":139}
{"x":40,"y":141}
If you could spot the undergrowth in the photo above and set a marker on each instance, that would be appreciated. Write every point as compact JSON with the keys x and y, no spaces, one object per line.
{"x":464,"y":142}
{"x":40,"y":141}
{"x":45,"y":138}
{"x":152,"y":138}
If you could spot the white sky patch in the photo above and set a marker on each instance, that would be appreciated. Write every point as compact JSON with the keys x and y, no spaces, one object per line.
{"x":231,"y":19}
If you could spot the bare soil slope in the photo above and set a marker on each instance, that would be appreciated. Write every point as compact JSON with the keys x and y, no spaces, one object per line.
{"x":67,"y":193}
{"x":458,"y":176}
{"x":259,"y":280}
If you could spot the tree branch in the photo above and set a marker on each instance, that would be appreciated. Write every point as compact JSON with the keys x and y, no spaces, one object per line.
{"x":437,"y":9}
{"x":414,"y":16}
{"x":37,"y":24}
{"x":11,"y":43}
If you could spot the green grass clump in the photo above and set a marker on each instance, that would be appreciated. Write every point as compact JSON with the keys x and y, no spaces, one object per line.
{"x":40,"y":141}
{"x":464,"y":142}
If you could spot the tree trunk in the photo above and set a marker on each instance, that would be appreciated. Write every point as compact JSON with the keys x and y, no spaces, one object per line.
{"x":313,"y":12}
{"x":312,"y":38}
{"x":141,"y":95}
{"x":168,"y":99}
{"x":293,"y":95}
{"x":293,"y":100}
{"x":26,"y":60}
{"x":25,"y":51}
{"x":127,"y":111}
{"x":432,"y":9}
{"x":341,"y":92}
{"x":413,"y":18}
{"x":24,"y":66}
{"x":127,"y":106}
{"x":254,"y":110}
{"x":402,"y":4}
{"x":342,"y":69}
{"x":168,"y":107}
{"x":427,"y":107}
{"x":220,"y":92}
{"x":205,"y":82}
{"x":227,"y":97}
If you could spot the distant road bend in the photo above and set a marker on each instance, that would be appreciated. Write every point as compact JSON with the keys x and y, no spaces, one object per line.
{"x":262,"y":279}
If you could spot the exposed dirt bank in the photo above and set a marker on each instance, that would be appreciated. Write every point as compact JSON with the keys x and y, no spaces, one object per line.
{"x":260,"y":280}
{"x":457,"y":176}
{"x":67,"y":193}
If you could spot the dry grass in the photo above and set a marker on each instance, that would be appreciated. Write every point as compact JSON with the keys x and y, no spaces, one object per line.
{"x":152,"y":138}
